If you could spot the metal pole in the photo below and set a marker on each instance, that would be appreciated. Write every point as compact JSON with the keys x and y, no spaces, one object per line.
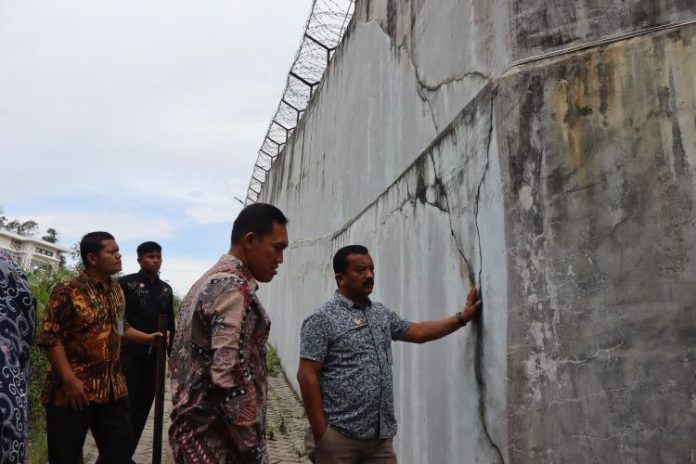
{"x":159,"y":391}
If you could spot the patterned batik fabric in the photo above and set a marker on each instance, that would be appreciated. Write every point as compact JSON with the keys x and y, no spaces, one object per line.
{"x":218,"y":370}
{"x":16,"y":336}
{"x":354,"y":346}
{"x":86,"y":318}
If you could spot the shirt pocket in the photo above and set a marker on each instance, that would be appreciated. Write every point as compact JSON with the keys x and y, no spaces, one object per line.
{"x":351,"y":337}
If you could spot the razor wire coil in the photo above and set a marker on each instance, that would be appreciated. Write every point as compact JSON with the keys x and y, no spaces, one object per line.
{"x":324,"y":30}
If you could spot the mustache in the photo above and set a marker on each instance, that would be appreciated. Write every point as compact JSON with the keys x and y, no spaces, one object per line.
{"x":369,"y":281}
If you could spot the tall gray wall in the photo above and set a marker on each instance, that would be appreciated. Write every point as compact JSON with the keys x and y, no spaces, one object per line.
{"x":478,"y":143}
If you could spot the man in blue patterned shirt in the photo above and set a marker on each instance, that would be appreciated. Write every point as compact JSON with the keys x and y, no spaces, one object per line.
{"x":345,"y":371}
{"x":16,"y":336}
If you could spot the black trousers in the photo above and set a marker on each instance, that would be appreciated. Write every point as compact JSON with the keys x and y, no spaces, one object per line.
{"x":140,"y":370}
{"x":110,"y":426}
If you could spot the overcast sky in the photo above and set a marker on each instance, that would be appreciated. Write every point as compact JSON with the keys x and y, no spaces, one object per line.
{"x":141,"y":118}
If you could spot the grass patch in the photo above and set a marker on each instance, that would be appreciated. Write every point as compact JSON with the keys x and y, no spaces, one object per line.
{"x":37,"y":446}
{"x":272,"y":362}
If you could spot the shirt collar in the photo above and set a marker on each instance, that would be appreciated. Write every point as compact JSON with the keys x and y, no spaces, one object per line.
{"x":86,"y":279}
{"x":348,"y":302}
{"x":237,"y":264}
{"x":144,"y":277}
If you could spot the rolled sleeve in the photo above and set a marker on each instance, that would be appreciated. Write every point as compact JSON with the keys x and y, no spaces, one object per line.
{"x":314,"y":343}
{"x":56,"y":319}
{"x":397,"y":325}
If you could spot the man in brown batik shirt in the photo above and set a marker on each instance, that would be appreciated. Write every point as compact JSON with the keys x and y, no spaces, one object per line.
{"x":81,"y":334}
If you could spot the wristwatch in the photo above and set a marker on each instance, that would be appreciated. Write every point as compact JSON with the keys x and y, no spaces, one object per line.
{"x":460,"y":319}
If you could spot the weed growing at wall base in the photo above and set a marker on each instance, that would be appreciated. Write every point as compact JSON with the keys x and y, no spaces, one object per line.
{"x":272,"y":362}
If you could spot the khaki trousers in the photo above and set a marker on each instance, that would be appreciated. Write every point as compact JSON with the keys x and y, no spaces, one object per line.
{"x":337,"y":448}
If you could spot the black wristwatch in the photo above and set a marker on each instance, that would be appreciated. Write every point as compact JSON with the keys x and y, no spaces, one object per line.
{"x":460,"y":319}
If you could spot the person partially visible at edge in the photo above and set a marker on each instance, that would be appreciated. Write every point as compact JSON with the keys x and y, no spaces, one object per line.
{"x":81,"y":334}
{"x":218,"y":361}
{"x":147,"y":297}
{"x":17,"y":312}
{"x":345,"y":371}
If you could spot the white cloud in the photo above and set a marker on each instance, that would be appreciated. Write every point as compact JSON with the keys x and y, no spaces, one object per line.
{"x":72,"y":225}
{"x":141,"y":118}
{"x":108,"y":97}
{"x":208,"y":200}
{"x":211,"y":215}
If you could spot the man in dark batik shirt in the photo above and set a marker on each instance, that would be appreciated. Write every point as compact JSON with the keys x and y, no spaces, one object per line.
{"x":147,"y":297}
{"x":345,"y":371}
{"x":16,"y":336}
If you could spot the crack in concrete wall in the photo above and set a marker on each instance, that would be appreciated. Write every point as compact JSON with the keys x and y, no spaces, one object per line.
{"x":478,"y":357}
{"x":473,"y":280}
{"x":475,"y":75}
{"x":424,"y":89}
{"x":553,"y":208}
{"x":457,"y":241}
{"x":402,"y":51}
{"x":435,"y":194}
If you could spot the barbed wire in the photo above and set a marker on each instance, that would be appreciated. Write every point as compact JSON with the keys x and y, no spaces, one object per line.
{"x":324,"y":30}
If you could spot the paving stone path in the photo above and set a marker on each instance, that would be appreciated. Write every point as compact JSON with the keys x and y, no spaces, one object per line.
{"x":286,"y":425}
{"x":143,"y":454}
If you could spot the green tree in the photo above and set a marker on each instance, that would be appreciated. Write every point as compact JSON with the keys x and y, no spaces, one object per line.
{"x":51,"y":235}
{"x":25,"y":228}
{"x":28,"y":228}
{"x":13,"y":225}
{"x":77,"y":266}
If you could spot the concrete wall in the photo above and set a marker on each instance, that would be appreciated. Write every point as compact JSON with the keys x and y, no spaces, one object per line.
{"x":563,"y":187}
{"x":599,"y":166}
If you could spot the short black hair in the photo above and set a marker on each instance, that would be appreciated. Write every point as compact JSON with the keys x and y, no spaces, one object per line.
{"x":148,"y":247}
{"x":340,"y":259}
{"x":92,"y":243}
{"x":257,"y":218}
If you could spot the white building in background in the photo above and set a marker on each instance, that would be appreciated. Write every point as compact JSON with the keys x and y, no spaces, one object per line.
{"x":31,"y":252}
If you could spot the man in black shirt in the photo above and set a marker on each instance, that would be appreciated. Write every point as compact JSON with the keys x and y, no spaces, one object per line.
{"x":146,"y":298}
